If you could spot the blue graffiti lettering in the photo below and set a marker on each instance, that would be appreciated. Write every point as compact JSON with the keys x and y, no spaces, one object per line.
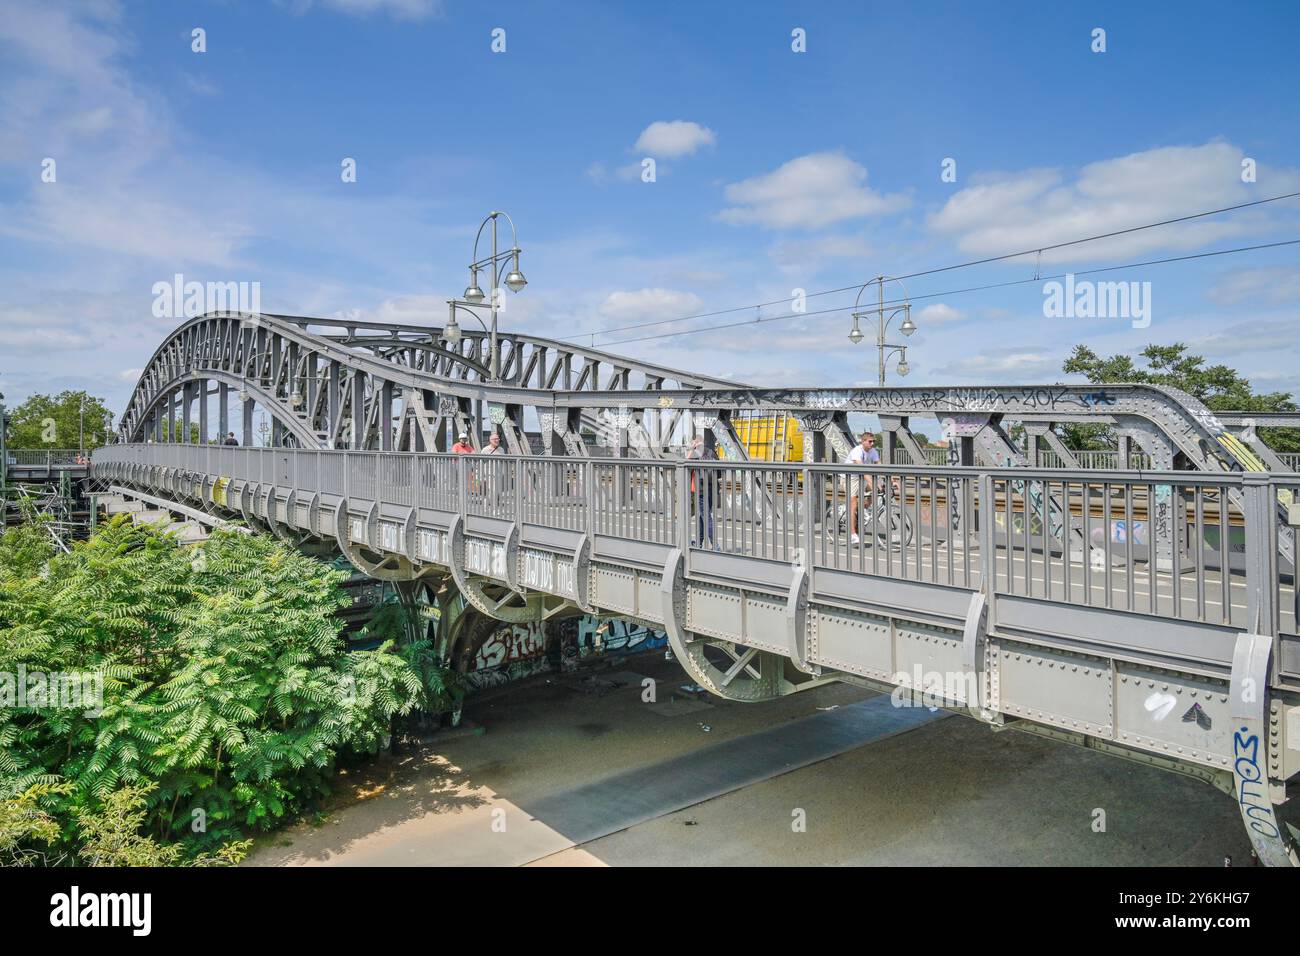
{"x":1253,"y":800}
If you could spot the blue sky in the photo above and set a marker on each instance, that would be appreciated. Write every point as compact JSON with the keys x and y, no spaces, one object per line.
{"x":776,"y":170}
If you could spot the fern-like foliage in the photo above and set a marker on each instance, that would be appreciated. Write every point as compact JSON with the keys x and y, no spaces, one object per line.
{"x":227,"y":691}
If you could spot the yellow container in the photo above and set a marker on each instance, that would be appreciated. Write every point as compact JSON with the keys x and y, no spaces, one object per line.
{"x":770,"y":437}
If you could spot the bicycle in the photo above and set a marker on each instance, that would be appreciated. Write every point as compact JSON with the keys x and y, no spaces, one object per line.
{"x":884,"y":521}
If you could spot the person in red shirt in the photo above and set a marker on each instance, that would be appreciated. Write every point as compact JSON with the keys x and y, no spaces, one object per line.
{"x":462,"y":446}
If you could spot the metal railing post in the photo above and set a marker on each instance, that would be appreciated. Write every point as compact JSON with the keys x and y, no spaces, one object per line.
{"x":589,"y":481}
{"x":1261,"y":556}
{"x":806,"y":476}
{"x":683,"y":489}
{"x":987,"y":539}
{"x":519,"y":489}
{"x":462,"y":486}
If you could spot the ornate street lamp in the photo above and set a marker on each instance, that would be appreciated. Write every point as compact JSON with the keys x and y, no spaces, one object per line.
{"x":514,"y":281}
{"x":907,"y":327}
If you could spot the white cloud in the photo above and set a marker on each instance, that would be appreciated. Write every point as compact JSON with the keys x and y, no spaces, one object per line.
{"x":172,"y":231}
{"x":807,"y":193}
{"x":130,"y":375}
{"x":76,"y":100}
{"x":704,"y":276}
{"x":1038,"y":207}
{"x":938,"y":313}
{"x":200,"y":86}
{"x":71,"y":92}
{"x":600,"y":174}
{"x":649,"y":305}
{"x":1010,"y":365}
{"x":397,"y":9}
{"x":1269,"y":285}
{"x":1260,"y":334}
{"x":43,"y":340}
{"x":807,"y":257}
{"x":674,"y":139}
{"x":48,"y":322}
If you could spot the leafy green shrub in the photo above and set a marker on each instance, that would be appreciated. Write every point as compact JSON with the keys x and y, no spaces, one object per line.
{"x":227,"y":692}
{"x":392,"y":621}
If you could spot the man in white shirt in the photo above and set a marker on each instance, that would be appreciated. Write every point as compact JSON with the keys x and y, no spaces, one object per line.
{"x":863,"y":453}
{"x":495,"y":479}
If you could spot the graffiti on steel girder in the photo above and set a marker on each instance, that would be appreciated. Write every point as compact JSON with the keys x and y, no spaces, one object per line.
{"x":1252,"y":785}
{"x":1029,"y":398}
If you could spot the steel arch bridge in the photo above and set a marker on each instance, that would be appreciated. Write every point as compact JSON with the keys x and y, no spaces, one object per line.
{"x":391,"y":387}
{"x":1151,"y":614}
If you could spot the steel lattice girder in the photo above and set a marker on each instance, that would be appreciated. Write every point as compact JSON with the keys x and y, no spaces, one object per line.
{"x":316,"y":382}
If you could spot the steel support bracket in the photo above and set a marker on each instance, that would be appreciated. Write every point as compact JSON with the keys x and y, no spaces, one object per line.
{"x":975,"y":653}
{"x":796,"y":622}
{"x":582,"y":574}
{"x":1249,"y":709}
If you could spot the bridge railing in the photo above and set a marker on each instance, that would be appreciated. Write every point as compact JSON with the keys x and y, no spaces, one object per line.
{"x":635,"y":499}
{"x":554,"y":492}
{"x":492,"y":485}
{"x":1048,"y":458}
{"x":1120,"y":541}
{"x":440,"y":483}
{"x":46,"y":457}
{"x":745,"y":508}
{"x":899,"y":522}
{"x":1283,"y":492}
{"x":1213,"y":548}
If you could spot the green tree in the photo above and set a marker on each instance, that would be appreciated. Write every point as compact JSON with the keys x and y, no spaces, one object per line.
{"x":110,"y":836}
{"x":1220,"y":387}
{"x":227,"y":693}
{"x":394,"y":621}
{"x":59,"y":421}
{"x":27,"y":830}
{"x":168,"y":426}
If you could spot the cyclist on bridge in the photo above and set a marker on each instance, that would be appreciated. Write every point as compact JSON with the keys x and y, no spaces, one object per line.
{"x":863,"y":453}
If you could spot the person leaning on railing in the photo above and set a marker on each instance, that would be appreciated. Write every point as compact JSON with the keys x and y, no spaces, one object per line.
{"x":463,"y":446}
{"x":491,"y":486}
{"x":704,"y":492}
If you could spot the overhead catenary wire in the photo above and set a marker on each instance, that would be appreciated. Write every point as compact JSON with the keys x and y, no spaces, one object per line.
{"x":1037,"y":250}
{"x":951,"y":292}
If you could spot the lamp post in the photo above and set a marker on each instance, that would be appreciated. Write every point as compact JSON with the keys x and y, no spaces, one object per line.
{"x":514,"y":281}
{"x":907,"y":327}
{"x":451,"y":331}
